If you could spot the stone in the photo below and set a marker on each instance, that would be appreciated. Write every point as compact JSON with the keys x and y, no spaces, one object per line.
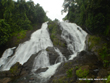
{"x":41,"y":70}
{"x":5,"y":80}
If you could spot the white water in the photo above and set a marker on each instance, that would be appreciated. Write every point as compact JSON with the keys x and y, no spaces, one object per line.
{"x":74,"y":36}
{"x":41,"y":61}
{"x":61,"y":58}
{"x":6,"y":55}
{"x":40,"y":40}
{"x":51,"y":71}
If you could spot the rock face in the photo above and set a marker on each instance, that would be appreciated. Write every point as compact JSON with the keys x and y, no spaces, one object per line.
{"x":58,"y":41}
{"x":28,"y":65}
{"x":83,"y":61}
{"x":52,"y":55}
{"x":5,"y":80}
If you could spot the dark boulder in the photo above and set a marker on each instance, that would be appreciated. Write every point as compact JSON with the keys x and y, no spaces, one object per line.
{"x":52,"y":55}
{"x":41,"y":70}
{"x":29,"y":64}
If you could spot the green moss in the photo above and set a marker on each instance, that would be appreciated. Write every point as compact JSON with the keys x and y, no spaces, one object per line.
{"x":76,"y":67}
{"x":84,"y":81}
{"x":60,"y":80}
{"x":54,"y":30}
{"x":82,"y":73}
{"x":108,"y":79}
{"x":93,"y":40}
{"x":69,"y":73}
{"x":104,"y":54}
{"x":14,"y":69}
{"x":19,"y":35}
{"x":22,"y":34}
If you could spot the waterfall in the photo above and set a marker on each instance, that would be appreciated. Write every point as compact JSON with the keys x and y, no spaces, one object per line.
{"x":41,"y":61}
{"x":39,"y":41}
{"x":61,"y":58}
{"x":6,"y":55}
{"x":74,"y":36}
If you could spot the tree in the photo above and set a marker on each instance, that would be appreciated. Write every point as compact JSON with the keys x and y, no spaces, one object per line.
{"x":4,"y":31}
{"x":91,"y":14}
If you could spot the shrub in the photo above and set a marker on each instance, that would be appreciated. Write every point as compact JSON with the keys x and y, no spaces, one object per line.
{"x":82,"y":73}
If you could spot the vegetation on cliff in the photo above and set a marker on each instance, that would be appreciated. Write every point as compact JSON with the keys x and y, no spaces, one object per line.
{"x":94,"y":17}
{"x":91,"y":15}
{"x":18,"y":17}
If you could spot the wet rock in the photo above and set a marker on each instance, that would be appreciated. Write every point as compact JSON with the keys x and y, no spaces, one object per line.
{"x":29,"y":64}
{"x":85,"y":57}
{"x":84,"y":60}
{"x":5,"y":80}
{"x":102,"y":73}
{"x":4,"y":74}
{"x":16,"y":69}
{"x":41,"y":70}
{"x":52,"y":55}
{"x":31,"y":79}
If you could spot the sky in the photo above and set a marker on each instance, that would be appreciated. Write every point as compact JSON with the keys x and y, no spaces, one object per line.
{"x":52,"y":7}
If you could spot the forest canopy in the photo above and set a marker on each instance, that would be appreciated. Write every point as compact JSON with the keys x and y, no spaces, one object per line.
{"x":91,"y":15}
{"x":18,"y":16}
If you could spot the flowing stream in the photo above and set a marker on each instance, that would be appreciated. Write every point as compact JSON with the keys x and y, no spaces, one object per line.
{"x":39,"y":41}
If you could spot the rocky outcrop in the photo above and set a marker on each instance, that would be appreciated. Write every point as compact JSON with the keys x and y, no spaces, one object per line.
{"x":58,"y":41}
{"x":52,"y":55}
{"x":5,"y":80}
{"x":68,"y":71}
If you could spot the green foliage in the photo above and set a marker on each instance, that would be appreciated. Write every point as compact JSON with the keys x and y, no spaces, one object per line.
{"x":69,"y":73}
{"x":19,"y":35}
{"x":76,"y":67}
{"x":22,"y":34}
{"x":60,"y":80}
{"x":108,"y":79}
{"x":54,"y":31}
{"x":93,"y":40}
{"x":4,"y":31}
{"x":82,"y":73}
{"x":14,"y":69}
{"x":92,"y":15}
{"x":97,"y":43}
{"x":19,"y":16}
{"x":104,"y":54}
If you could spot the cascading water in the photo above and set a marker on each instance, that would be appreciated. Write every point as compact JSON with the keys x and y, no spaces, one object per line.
{"x":40,"y":40}
{"x":6,"y":55}
{"x":61,"y":58}
{"x":41,"y":61}
{"x":74,"y":36}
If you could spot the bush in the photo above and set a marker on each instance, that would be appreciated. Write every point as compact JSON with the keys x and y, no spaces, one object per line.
{"x":69,"y":73}
{"x":108,"y":79}
{"x":82,"y":73}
